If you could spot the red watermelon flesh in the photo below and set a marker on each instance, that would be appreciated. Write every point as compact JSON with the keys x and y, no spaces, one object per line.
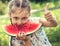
{"x":27,"y":28}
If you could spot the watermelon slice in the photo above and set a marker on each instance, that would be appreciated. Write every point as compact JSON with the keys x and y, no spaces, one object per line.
{"x":27,"y":28}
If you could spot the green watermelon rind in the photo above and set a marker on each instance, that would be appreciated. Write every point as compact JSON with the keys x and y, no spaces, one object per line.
{"x":35,"y":29}
{"x":26,"y":33}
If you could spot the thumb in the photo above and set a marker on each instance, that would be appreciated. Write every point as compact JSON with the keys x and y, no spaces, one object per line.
{"x":47,"y":7}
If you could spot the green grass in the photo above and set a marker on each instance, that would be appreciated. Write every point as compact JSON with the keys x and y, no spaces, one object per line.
{"x":56,"y":44}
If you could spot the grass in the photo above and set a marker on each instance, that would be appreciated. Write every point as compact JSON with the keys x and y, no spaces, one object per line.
{"x":56,"y":44}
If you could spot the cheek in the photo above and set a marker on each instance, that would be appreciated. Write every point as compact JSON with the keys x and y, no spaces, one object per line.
{"x":24,"y":21}
{"x":13,"y":21}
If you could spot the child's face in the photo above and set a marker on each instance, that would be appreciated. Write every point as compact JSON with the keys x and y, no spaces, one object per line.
{"x":20,"y":18}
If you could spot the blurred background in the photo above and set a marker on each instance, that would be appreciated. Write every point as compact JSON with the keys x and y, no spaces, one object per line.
{"x":53,"y":33}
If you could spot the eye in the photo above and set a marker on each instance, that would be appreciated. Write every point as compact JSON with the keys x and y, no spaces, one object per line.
{"x":16,"y":18}
{"x":24,"y":18}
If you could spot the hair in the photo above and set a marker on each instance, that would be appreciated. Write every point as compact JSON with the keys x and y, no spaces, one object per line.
{"x":18,"y":4}
{"x":15,"y":5}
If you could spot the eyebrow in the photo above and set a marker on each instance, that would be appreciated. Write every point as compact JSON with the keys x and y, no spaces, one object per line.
{"x":16,"y":17}
{"x":21,"y":18}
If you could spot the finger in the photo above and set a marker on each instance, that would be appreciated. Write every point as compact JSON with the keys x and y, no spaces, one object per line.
{"x":18,"y":34}
{"x":47,"y":13}
{"x":46,"y":7}
{"x":23,"y":33}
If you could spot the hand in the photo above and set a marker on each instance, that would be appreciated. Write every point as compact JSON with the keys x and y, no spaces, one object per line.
{"x":22,"y":36}
{"x":48,"y":15}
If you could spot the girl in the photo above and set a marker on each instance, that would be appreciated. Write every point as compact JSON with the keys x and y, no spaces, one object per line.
{"x":19,"y":13}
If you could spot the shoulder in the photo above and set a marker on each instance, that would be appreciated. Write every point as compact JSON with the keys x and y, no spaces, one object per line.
{"x":34,"y":19}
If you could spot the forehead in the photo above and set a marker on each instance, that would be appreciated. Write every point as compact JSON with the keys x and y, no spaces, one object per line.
{"x":20,"y":13}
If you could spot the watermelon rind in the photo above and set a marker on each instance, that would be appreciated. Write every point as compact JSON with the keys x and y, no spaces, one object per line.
{"x":26,"y":33}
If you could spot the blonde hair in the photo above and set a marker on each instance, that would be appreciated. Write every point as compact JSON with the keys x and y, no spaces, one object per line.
{"x":18,"y":4}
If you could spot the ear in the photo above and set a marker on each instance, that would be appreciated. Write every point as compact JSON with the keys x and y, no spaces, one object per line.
{"x":9,"y":13}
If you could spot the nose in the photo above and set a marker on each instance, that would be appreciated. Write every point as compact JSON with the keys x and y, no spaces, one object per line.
{"x":19,"y":22}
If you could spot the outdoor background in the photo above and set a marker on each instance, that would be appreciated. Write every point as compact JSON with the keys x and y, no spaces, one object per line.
{"x":53,"y":33}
